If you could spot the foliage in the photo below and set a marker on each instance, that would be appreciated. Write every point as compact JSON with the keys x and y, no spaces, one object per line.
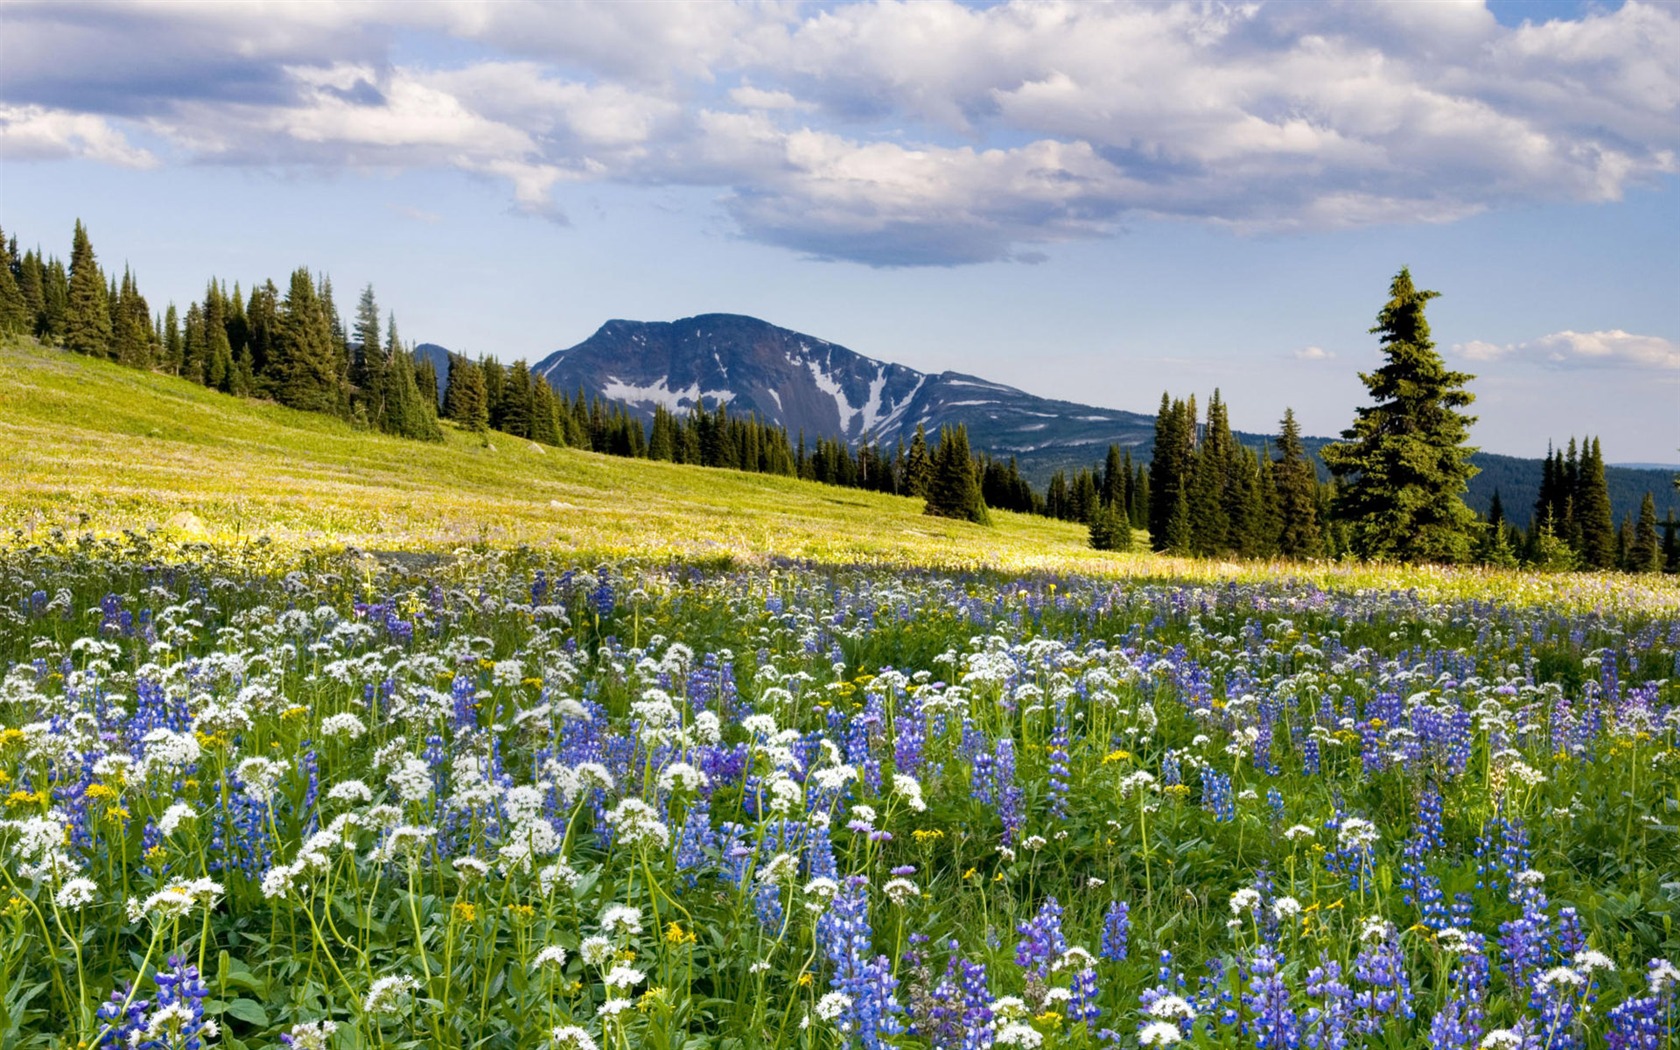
{"x":1404,"y":463}
{"x":502,"y":800}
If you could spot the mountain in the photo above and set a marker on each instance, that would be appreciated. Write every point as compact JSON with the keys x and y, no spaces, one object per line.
{"x":808,"y":384}
{"x":439,"y":357}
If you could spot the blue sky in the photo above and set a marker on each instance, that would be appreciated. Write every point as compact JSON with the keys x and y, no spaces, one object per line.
{"x":1089,"y":202}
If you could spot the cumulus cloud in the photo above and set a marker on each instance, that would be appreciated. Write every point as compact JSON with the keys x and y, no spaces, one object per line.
{"x":1567,"y":349}
{"x":928,"y":133}
{"x":1313,"y":353}
{"x":38,"y":133}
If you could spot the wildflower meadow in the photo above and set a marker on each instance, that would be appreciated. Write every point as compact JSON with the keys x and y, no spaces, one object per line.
{"x":502,"y":800}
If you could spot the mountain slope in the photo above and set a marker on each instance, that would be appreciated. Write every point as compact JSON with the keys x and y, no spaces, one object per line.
{"x":808,"y":384}
{"x":822,"y":389}
{"x":89,"y":445}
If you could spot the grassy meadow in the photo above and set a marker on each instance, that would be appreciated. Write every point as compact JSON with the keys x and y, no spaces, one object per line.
{"x":635,"y":755}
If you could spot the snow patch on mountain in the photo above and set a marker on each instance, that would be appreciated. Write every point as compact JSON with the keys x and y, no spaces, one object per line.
{"x":661,"y":394}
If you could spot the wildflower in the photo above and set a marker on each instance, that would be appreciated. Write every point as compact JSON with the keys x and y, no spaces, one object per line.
{"x":177,"y":814}
{"x":1159,"y":1033}
{"x":1286,"y":908}
{"x":1588,"y":960}
{"x":1663,"y":975}
{"x":351,"y":791}
{"x":595,"y":951}
{"x":411,"y":780}
{"x":311,"y":1035}
{"x":635,"y":823}
{"x":571,"y":1037}
{"x":1245,"y":899}
{"x":344,"y":725}
{"x":833,"y":1006}
{"x":553,"y":956}
{"x":680,"y":776}
{"x":1297,"y":832}
{"x":623,"y":977}
{"x":910,"y":789}
{"x":1356,"y":834}
{"x":387,"y":994}
{"x":901,"y":891}
{"x":1017,"y":1034}
{"x":1172,"y":1008}
{"x":621,"y":920}
{"x":470,"y":869}
{"x":76,"y":894}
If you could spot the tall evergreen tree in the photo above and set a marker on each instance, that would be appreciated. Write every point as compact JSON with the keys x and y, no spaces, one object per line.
{"x":1299,"y":535}
{"x":1404,"y":462}
{"x":953,"y":488}
{"x":464,"y":398}
{"x":1594,"y":520}
{"x":15,"y":316}
{"x":1644,"y":553}
{"x":918,"y":465}
{"x":368,"y":362}
{"x":87,"y":315}
{"x":304,"y":368}
{"x":1170,"y":466}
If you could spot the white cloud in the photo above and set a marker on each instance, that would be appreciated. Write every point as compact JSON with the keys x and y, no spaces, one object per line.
{"x":1313,"y":353}
{"x":891,"y":133}
{"x":37,"y":133}
{"x":1595,"y":350}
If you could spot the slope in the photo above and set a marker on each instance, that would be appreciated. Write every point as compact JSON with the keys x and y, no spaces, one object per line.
{"x":88,"y":445}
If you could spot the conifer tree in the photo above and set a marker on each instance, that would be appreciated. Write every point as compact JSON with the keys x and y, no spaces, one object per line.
{"x":87,"y":313}
{"x":55,"y":310}
{"x":1299,"y":535}
{"x":171,"y":361}
{"x":918,"y":465}
{"x":304,"y":367}
{"x":1644,"y":553}
{"x":464,"y":398}
{"x":15,"y":317}
{"x":32,"y":286}
{"x":368,"y":362}
{"x":1169,"y":470}
{"x":1109,"y":529}
{"x":1594,"y":520}
{"x":953,"y":488}
{"x":516,"y":400}
{"x":545,"y":414}
{"x":1404,"y":462}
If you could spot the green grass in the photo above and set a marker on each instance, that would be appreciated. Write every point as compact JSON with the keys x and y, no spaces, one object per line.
{"x":89,"y":446}
{"x":92,"y":446}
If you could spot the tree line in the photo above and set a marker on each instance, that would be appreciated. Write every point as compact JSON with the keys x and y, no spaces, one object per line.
{"x":1396,"y":480}
{"x":484,"y":395}
{"x":291,"y":347}
{"x":1395,"y":486}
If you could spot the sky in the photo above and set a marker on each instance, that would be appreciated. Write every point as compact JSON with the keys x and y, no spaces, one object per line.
{"x":1090,"y":202}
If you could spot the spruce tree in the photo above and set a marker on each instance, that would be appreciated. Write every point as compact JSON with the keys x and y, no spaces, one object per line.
{"x":1644,"y":553}
{"x":1594,"y":520}
{"x":918,"y":465}
{"x":1109,"y":529}
{"x":87,"y":313}
{"x":953,"y":488}
{"x":15,"y":318}
{"x":368,"y":362}
{"x":1170,"y":465}
{"x":1404,"y":462}
{"x":464,"y":398}
{"x":1299,"y":535}
{"x":304,"y":367}
{"x":516,"y":401}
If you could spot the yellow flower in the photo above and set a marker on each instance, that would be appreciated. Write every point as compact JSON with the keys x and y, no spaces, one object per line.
{"x":522,"y":911}
{"x":1117,"y":756}
{"x":10,"y":736}
{"x":805,"y":979}
{"x":923,"y":836}
{"x":23,"y":798}
{"x":100,"y":793}
{"x":676,"y":935}
{"x":465,"y":911}
{"x":295,"y":711}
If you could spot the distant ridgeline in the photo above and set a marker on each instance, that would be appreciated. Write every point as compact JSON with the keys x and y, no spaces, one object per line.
{"x":1202,"y":489}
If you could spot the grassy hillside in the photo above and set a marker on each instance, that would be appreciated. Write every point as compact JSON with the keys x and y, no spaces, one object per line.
{"x":87,"y":445}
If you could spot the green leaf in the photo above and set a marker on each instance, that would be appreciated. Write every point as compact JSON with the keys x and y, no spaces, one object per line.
{"x":248,"y":1010}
